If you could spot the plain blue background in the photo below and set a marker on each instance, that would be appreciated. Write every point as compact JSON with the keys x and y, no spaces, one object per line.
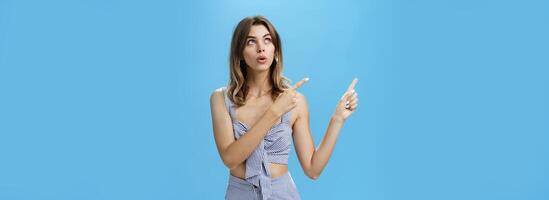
{"x":110,"y":99}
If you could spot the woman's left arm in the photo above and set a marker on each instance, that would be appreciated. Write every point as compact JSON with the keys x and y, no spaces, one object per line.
{"x":313,"y":161}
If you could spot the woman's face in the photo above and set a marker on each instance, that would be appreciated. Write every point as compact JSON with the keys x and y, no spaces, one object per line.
{"x":259,"y":50}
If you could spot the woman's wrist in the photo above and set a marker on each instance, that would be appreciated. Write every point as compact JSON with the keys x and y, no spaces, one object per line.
{"x":273,"y":112}
{"x":338,"y":118}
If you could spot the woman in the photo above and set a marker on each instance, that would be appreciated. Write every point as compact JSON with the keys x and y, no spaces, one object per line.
{"x":258,"y":114}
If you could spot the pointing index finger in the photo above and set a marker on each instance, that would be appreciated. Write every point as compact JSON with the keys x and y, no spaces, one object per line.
{"x":352,"y":85}
{"x":301,"y":82}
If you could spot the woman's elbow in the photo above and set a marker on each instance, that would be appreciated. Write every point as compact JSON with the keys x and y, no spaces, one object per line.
{"x":229,"y":163}
{"x":231,"y":166}
{"x":312,"y":175}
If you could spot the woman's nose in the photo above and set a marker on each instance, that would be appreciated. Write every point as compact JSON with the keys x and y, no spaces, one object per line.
{"x":260,"y":47}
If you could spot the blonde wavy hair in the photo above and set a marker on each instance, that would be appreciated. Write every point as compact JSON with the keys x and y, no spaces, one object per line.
{"x":237,"y":89}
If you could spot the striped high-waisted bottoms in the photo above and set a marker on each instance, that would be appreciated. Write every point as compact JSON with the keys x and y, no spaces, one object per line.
{"x":283,"y":187}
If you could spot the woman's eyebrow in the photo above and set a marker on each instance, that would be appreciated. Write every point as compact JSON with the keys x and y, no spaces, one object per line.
{"x":251,"y":36}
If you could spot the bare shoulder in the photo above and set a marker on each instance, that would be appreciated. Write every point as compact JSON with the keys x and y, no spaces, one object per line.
{"x":301,"y":97}
{"x":216,"y":96}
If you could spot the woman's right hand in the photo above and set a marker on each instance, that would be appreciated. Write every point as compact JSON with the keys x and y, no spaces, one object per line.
{"x":287,"y":100}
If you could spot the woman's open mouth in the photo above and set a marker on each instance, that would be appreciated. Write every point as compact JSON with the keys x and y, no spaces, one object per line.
{"x":261,"y":59}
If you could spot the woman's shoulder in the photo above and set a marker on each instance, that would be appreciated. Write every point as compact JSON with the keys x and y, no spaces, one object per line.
{"x":301,"y":102}
{"x":300,"y":96}
{"x":217,"y":94}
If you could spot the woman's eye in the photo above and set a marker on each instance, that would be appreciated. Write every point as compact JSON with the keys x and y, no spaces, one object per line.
{"x":251,"y":42}
{"x":267,"y":40}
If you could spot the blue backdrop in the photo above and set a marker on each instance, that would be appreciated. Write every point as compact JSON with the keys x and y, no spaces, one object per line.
{"x":110,"y":99}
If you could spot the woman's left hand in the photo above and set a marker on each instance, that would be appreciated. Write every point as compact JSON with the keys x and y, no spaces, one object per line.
{"x":348,"y":102}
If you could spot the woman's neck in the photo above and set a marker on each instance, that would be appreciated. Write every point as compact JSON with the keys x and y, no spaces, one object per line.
{"x":258,"y":83}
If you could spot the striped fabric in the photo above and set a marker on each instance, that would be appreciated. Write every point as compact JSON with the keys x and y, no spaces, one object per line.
{"x":283,"y":188}
{"x":274,"y":148}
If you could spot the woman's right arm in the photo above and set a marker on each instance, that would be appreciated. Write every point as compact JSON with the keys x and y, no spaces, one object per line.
{"x":232,"y":151}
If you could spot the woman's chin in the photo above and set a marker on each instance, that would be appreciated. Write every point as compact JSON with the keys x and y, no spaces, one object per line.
{"x":260,"y":67}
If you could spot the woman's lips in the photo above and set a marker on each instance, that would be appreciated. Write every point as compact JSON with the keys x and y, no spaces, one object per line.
{"x":261,"y":59}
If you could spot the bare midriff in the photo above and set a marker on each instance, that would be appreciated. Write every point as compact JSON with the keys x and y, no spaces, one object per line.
{"x":275,"y":169}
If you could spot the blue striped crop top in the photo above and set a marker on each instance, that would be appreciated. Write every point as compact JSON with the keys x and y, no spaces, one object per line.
{"x":274,"y":148}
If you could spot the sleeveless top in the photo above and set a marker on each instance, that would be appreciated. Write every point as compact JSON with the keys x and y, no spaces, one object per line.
{"x":274,"y":148}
